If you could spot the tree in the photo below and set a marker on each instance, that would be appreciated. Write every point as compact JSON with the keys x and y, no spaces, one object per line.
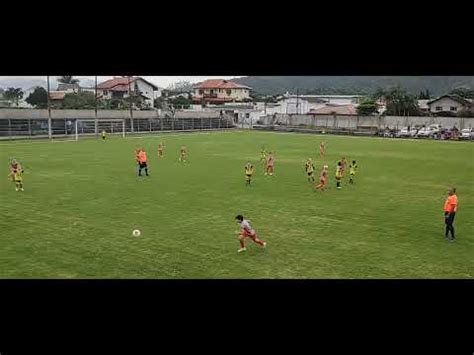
{"x":81,"y":100}
{"x":68,"y":79}
{"x":180,"y":87}
{"x":398,"y":102}
{"x":14,"y":95}
{"x":38,"y":98}
{"x":180,"y":102}
{"x":367,"y":107}
{"x":424,"y":95}
{"x":463,"y":92}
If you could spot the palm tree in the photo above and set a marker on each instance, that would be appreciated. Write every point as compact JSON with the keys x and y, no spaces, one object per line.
{"x":68,"y":79}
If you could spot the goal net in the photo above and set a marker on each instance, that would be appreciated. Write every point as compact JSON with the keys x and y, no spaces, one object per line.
{"x":110,"y":126}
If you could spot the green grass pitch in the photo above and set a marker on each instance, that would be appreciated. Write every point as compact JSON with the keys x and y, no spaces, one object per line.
{"x":83,"y":199}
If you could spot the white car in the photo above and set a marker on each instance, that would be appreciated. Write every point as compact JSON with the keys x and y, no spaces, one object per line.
{"x":404,"y":132}
{"x":435,"y":128}
{"x":467,"y":133}
{"x":426,"y":132}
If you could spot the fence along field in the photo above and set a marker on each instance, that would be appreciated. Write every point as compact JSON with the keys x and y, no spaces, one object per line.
{"x":30,"y":123}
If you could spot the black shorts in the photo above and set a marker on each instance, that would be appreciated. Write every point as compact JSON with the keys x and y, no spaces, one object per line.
{"x":449,"y":218}
{"x":310,"y":174}
{"x":142,"y":165}
{"x":248,"y":176}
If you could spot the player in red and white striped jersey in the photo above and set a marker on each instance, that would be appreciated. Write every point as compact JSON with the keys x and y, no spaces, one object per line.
{"x":246,"y":231}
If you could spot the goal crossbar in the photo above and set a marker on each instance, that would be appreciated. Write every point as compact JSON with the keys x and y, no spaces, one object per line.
{"x":101,"y":122}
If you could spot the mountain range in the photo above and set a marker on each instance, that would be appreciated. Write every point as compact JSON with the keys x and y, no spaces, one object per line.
{"x":276,"y":85}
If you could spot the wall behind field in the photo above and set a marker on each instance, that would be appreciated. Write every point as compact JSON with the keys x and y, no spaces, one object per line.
{"x":89,"y":114}
{"x":353,"y":122}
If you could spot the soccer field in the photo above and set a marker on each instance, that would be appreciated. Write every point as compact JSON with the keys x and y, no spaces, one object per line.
{"x":83,"y":199}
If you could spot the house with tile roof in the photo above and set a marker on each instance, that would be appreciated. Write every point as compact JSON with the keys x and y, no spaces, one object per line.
{"x":119,"y":87}
{"x":217,"y":91}
{"x":453,"y":104}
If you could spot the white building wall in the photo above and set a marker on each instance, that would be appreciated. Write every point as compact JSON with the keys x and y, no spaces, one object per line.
{"x":145,"y":89}
{"x":446,"y":103}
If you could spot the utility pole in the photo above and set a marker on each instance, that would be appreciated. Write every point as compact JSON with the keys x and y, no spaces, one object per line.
{"x":96,"y":122}
{"x":50,"y":131}
{"x":131,"y":109}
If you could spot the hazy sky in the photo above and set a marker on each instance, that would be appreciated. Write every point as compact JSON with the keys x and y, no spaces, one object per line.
{"x":161,"y":81}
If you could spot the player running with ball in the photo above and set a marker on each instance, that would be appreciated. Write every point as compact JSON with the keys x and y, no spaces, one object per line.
{"x":246,"y":231}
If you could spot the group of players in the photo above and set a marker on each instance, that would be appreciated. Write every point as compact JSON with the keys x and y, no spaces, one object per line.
{"x":142,"y":159}
{"x":267,"y":159}
{"x":269,"y":162}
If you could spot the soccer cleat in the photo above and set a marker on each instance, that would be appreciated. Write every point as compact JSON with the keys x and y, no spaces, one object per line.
{"x":338,"y":187}
{"x":22,"y":189}
{"x":241,"y":250}
{"x":264,"y":244}
{"x":16,"y":188}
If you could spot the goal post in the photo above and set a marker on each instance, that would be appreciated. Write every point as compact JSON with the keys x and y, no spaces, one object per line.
{"x":89,"y":127}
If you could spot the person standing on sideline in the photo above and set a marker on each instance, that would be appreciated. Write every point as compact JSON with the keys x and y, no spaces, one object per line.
{"x":450,"y":207}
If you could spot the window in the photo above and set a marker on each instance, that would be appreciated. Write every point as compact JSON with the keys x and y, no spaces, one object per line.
{"x":228,"y":92}
{"x":439,"y":108}
{"x":247,"y":115}
{"x":106,"y":92}
{"x":453,"y":108}
{"x":201,"y":91}
{"x":212,"y":91}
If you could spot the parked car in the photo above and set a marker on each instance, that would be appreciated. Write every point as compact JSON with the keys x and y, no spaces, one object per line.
{"x":404,"y":132}
{"x":426,"y":132}
{"x":467,"y":133}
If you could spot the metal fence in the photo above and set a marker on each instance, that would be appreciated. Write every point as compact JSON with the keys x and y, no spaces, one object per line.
{"x":15,"y":128}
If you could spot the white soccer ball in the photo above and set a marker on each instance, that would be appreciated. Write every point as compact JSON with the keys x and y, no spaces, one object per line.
{"x":136,"y":233}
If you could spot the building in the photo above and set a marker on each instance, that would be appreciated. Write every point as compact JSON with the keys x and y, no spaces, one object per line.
{"x":423,"y":106}
{"x":303,"y":104}
{"x":450,"y":103}
{"x":118,"y":88}
{"x":217,"y":91}
{"x":69,"y":88}
{"x":339,"y":110}
{"x":56,"y":98}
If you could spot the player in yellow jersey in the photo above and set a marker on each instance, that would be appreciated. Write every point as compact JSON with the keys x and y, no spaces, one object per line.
{"x":263,"y":155}
{"x":104,"y":135}
{"x":18,"y":179}
{"x":249,"y":169}
{"x":352,"y":171}
{"x":183,"y":154}
{"x":338,"y":175}
{"x":309,"y":167}
{"x":161,"y":150}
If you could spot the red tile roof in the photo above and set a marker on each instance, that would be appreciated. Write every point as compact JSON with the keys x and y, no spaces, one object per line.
{"x":57,"y":95}
{"x":117,"y":84}
{"x":220,"y":84}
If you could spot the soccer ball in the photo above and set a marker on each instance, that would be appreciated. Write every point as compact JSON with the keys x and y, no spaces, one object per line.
{"x":136,"y":233}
